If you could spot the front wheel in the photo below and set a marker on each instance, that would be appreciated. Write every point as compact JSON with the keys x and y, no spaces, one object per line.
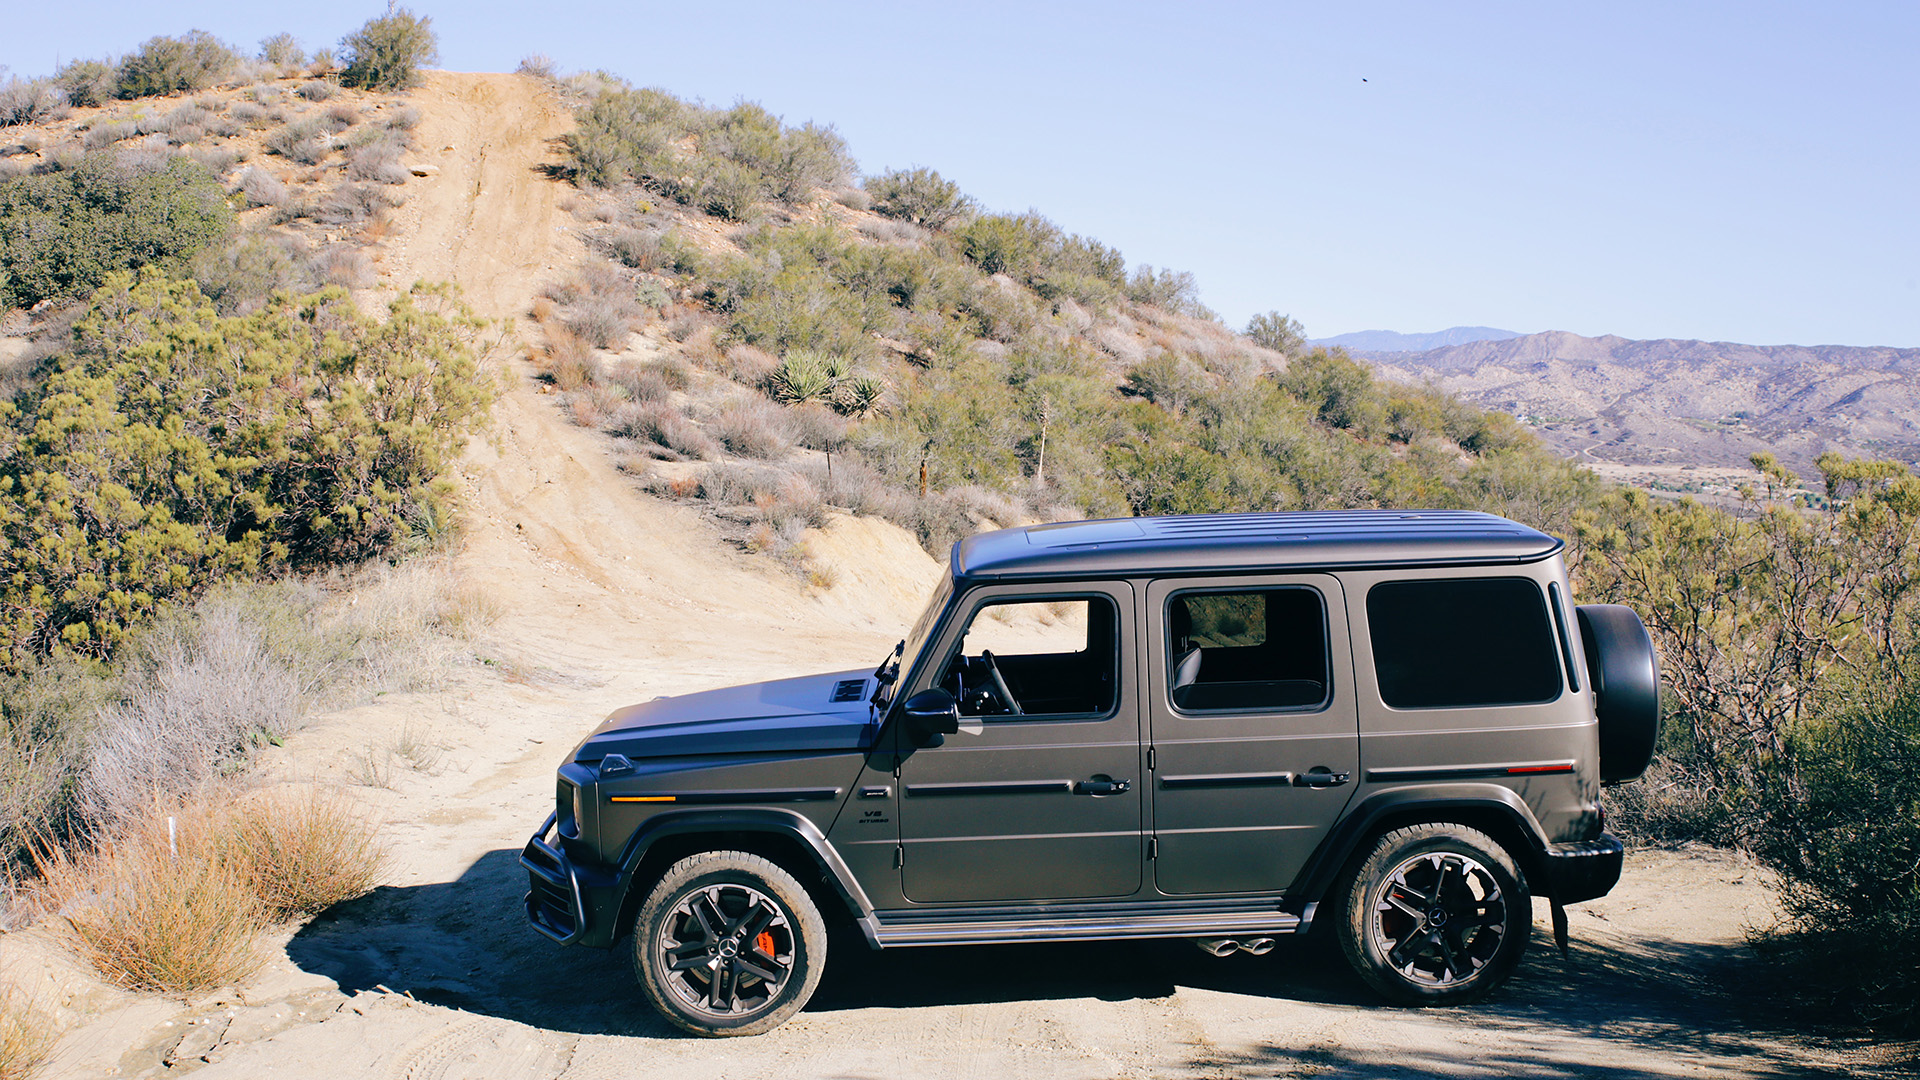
{"x":728,"y":943}
{"x":1436,"y":914}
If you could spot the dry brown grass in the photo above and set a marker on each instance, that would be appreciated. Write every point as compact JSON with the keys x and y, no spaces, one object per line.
{"x":159,"y":914}
{"x":303,"y":852}
{"x":25,"y":1035}
{"x":174,"y":902}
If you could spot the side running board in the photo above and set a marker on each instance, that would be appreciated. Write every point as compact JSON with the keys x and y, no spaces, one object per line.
{"x":982,"y":926}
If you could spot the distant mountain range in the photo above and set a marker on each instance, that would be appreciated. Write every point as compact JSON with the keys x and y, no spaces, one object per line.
{"x":1674,"y":402}
{"x":1384,"y":341}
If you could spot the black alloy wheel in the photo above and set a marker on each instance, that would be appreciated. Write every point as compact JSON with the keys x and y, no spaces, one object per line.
{"x":1436,"y":914}
{"x":728,"y":943}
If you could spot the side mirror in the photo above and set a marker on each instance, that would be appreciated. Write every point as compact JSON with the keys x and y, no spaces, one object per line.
{"x":930,"y":716}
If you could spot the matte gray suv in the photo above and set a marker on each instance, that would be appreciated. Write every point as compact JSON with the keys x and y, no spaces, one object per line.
{"x":1223,"y":728}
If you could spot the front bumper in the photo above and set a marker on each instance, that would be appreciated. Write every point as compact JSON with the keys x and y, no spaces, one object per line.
{"x":1583,"y":871}
{"x":570,"y":903}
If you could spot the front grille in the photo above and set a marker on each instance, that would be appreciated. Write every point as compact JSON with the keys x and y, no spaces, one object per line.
{"x":849,"y":690}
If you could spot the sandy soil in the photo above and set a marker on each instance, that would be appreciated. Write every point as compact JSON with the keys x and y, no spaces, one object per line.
{"x":606,"y":597}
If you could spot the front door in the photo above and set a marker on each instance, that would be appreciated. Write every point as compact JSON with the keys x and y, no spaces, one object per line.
{"x":1038,"y":796}
{"x":1254,"y":731}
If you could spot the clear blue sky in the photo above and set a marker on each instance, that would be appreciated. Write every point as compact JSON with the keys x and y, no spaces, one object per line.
{"x":1736,"y":171}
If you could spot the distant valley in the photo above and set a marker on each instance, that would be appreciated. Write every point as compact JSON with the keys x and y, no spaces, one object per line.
{"x":1652,"y":411}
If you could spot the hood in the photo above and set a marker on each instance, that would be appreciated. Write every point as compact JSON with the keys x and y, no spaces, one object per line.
{"x":811,"y":713}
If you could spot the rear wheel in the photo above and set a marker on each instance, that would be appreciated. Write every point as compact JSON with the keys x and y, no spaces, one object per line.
{"x":1436,"y":914}
{"x":728,"y":943}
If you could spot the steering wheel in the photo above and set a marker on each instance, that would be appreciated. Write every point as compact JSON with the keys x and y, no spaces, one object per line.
{"x":1000,"y":683}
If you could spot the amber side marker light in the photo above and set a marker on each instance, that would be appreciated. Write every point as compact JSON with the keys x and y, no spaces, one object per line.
{"x":641,"y":798}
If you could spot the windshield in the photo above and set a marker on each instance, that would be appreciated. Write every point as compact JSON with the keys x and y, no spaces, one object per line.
{"x":902,"y":661}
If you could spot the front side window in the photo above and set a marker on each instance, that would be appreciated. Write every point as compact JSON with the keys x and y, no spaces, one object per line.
{"x":1476,"y":641}
{"x":1057,"y":656}
{"x":1247,"y":649}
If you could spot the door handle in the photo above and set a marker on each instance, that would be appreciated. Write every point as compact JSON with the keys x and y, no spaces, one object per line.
{"x":1102,"y":787}
{"x":1321,"y":776}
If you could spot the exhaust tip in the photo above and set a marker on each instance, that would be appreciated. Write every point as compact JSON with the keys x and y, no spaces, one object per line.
{"x":1259,"y":946}
{"x":1221,"y":946}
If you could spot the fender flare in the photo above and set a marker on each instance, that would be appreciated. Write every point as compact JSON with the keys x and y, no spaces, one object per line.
{"x":783,"y":823}
{"x":1429,"y":802}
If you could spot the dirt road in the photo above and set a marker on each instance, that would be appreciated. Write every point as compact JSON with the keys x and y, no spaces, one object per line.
{"x":608,"y":597}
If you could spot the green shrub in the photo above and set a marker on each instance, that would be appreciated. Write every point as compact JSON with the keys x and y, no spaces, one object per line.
{"x":1847,"y":848}
{"x":173,"y":447}
{"x":921,"y":196}
{"x":87,"y":83}
{"x":388,"y":52}
{"x":63,"y":233}
{"x":1281,"y":333}
{"x":1170,"y":290}
{"x":167,"y":65}
{"x":283,"y":51}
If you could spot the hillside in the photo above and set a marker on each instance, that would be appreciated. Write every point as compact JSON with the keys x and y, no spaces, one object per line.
{"x":1674,"y":403}
{"x":1387,"y":341}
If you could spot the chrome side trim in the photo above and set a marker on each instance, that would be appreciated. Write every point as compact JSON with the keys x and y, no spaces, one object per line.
{"x":921,"y":930}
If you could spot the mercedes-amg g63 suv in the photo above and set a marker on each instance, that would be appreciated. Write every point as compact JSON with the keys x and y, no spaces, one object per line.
{"x":1225,"y":728}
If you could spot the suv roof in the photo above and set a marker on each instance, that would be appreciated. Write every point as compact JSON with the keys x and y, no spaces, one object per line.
{"x":1215,"y":542}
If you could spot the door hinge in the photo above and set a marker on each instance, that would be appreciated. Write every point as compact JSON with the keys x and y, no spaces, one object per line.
{"x":899,"y":857}
{"x":1153,"y":758}
{"x":1153,"y":847}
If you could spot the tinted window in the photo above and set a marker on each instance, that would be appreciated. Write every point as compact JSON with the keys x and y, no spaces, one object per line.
{"x":1253,"y":649}
{"x":1056,"y":656}
{"x":1483,"y":641}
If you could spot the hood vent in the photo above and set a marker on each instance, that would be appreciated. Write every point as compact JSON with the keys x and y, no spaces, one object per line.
{"x":849,"y":690}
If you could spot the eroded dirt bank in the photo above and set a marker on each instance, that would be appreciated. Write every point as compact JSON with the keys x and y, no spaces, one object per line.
{"x":605,"y":597}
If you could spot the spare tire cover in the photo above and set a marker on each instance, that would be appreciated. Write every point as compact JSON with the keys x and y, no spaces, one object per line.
{"x":1626,"y":688}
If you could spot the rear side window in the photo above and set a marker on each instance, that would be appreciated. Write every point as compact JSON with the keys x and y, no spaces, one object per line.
{"x":1247,"y":650}
{"x":1480,"y":641}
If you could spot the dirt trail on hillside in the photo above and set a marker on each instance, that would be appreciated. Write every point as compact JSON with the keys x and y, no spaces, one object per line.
{"x":606,"y":597}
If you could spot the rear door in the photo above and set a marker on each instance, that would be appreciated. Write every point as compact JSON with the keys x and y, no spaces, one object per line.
{"x":1254,"y":733}
{"x":1043,"y":803}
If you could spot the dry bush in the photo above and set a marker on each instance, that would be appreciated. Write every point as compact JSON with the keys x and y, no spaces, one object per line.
{"x":603,"y":321}
{"x":202,"y":689}
{"x":261,"y":188}
{"x":651,"y":382}
{"x":852,"y":484}
{"x":816,"y":427}
{"x":665,"y":427}
{"x":735,"y":484}
{"x":342,"y":114}
{"x":250,"y":114}
{"x":751,"y":427}
{"x":109,"y":133}
{"x":540,"y":66}
{"x":217,"y":159}
{"x":302,"y":853}
{"x":25,"y":1035}
{"x":349,"y":204}
{"x":569,"y":361}
{"x":638,"y":248}
{"x":746,"y":364}
{"x":377,"y":161}
{"x":405,"y":118}
{"x":159,"y":913}
{"x":683,"y":323}
{"x":344,"y":264}
{"x":316,"y":90}
{"x":304,"y":141}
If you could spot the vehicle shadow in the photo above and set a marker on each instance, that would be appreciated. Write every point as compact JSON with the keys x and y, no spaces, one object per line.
{"x":466,"y":944}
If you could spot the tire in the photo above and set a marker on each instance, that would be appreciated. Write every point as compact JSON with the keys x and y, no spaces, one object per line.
{"x":1626,"y":688}
{"x":728,"y":943}
{"x":1435,"y":914}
